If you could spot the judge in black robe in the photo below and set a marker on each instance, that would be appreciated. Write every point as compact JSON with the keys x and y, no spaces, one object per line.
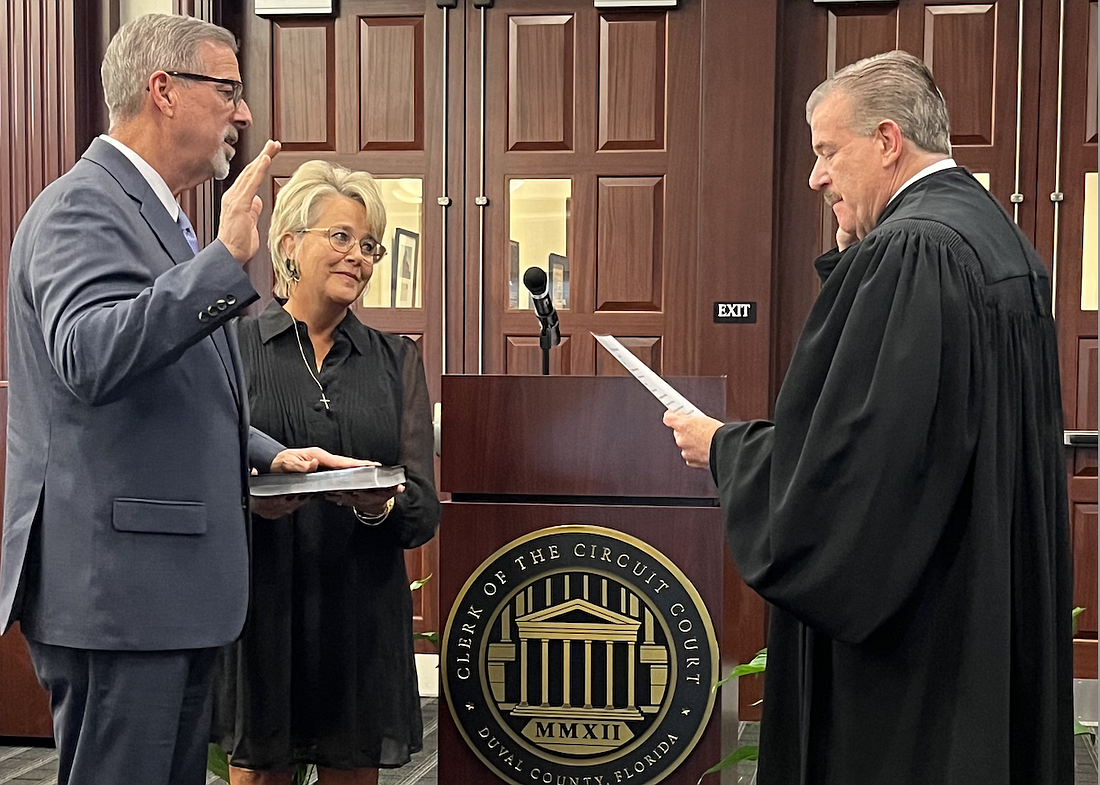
{"x":905,"y":514}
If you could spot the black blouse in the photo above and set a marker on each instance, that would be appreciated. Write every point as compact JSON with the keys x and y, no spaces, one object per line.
{"x":324,"y":672}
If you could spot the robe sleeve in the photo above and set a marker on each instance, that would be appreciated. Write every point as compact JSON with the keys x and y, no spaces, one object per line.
{"x":415,"y":515}
{"x":833,"y":512}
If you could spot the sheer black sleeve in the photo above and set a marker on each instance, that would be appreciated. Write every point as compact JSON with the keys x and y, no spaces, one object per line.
{"x":415,"y":515}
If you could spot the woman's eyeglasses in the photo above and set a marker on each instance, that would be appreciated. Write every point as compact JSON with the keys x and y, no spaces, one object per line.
{"x":343,"y":241}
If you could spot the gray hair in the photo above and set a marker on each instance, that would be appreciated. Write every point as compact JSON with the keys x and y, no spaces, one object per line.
{"x":150,"y":43}
{"x":892,"y":86}
{"x":298,"y":204}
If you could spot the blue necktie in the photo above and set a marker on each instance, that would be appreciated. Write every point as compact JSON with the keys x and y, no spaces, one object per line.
{"x":188,"y":231}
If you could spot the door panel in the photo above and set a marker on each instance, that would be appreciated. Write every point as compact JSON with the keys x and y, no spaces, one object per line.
{"x":632,"y":83}
{"x":303,"y":57}
{"x":541,"y":53}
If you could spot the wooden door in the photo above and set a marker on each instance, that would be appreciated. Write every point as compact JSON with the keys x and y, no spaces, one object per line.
{"x":589,"y":170}
{"x":1036,"y":153}
{"x":364,"y":89}
{"x":974,"y":52}
{"x":1066,"y":236}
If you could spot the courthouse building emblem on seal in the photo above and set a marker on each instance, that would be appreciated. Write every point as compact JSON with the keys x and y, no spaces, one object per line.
{"x":578,"y":654}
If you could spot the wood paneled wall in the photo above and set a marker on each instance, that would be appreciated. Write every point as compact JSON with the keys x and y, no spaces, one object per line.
{"x":51,"y":107}
{"x":51,"y":103}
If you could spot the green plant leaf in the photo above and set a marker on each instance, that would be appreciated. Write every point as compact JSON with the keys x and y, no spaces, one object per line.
{"x":432,"y":637}
{"x":748,"y":752}
{"x":303,"y":772}
{"x":1076,"y":612}
{"x":217,"y":761}
{"x":757,"y":665}
{"x":1082,"y":730}
{"x":420,"y":582}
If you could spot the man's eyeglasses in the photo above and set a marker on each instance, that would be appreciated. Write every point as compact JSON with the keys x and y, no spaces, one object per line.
{"x":343,"y":241}
{"x":234,"y":94}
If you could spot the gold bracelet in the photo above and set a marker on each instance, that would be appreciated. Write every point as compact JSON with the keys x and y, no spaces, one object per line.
{"x":374,"y":520}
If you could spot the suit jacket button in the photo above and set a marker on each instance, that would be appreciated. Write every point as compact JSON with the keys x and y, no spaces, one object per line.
{"x":231,"y":299}
{"x":222,"y":305}
{"x":203,"y":317}
{"x":210,"y":309}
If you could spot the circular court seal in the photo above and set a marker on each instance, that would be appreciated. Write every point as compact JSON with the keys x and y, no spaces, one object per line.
{"x":579,"y":654}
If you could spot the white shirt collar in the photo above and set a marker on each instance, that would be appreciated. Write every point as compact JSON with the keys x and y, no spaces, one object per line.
{"x":939,"y":166}
{"x":156,"y":182}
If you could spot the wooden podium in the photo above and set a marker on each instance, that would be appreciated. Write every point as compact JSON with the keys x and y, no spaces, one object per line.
{"x":523,"y":453}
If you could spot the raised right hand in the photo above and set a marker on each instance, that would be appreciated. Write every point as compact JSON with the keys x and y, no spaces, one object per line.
{"x":241,"y":207}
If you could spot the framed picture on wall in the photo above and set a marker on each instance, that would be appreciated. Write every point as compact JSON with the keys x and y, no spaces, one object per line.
{"x":406,"y":246}
{"x":559,"y":280}
{"x":513,"y":274}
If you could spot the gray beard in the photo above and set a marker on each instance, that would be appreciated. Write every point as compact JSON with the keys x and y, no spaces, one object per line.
{"x":221,"y":165}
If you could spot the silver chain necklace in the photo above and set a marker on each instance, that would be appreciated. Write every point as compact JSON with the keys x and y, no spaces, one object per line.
{"x":301,"y":349}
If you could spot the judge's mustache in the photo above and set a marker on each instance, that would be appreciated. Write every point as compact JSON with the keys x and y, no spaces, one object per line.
{"x":831,"y":198}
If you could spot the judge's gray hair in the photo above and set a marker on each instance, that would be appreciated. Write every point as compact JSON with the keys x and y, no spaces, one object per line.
{"x":150,"y":43}
{"x":892,"y":86}
{"x":298,"y":205}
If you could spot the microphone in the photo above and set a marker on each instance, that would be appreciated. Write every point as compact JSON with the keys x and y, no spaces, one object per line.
{"x":535,"y":281}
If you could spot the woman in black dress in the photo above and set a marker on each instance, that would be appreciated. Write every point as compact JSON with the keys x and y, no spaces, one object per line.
{"x":325,"y":671}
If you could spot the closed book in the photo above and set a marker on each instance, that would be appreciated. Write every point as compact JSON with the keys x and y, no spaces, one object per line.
{"x":362,"y":478}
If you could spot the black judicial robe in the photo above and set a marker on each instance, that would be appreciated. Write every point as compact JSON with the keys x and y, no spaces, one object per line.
{"x":905,"y":515}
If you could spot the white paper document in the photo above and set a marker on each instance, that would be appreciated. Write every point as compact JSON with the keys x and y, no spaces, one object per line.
{"x":662,"y":390}
{"x":362,"y":478}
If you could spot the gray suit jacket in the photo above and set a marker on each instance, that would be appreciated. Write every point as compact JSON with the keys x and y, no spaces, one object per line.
{"x":128,"y":439}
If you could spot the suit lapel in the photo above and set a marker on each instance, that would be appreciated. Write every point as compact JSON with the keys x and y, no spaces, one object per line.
{"x":167,"y":231}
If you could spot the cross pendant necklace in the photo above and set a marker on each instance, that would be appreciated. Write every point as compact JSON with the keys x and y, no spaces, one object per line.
{"x":324,"y":398}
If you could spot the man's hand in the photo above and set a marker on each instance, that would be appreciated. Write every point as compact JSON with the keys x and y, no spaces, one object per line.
{"x":310,"y":459}
{"x":693,"y":436}
{"x":844,"y":239}
{"x":273,"y":507}
{"x":241,"y":207}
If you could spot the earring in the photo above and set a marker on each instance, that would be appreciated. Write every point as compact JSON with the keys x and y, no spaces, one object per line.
{"x":292,"y":268}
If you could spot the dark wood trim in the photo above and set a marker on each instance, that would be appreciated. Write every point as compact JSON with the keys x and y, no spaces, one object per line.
{"x":203,"y":202}
{"x":736,"y":258}
{"x":1085,"y":654}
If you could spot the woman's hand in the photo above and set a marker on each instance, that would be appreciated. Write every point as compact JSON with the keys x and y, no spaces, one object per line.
{"x":273,"y":507}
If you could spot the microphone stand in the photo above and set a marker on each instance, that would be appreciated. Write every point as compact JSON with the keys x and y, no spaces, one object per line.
{"x":548,"y":337}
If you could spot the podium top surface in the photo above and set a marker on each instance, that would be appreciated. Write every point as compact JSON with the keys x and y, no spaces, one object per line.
{"x":570,"y":436}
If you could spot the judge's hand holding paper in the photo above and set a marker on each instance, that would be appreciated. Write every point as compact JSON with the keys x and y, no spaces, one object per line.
{"x":694,"y":433}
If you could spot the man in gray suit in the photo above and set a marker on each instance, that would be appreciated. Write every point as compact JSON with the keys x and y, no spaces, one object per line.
{"x":125,"y":553}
